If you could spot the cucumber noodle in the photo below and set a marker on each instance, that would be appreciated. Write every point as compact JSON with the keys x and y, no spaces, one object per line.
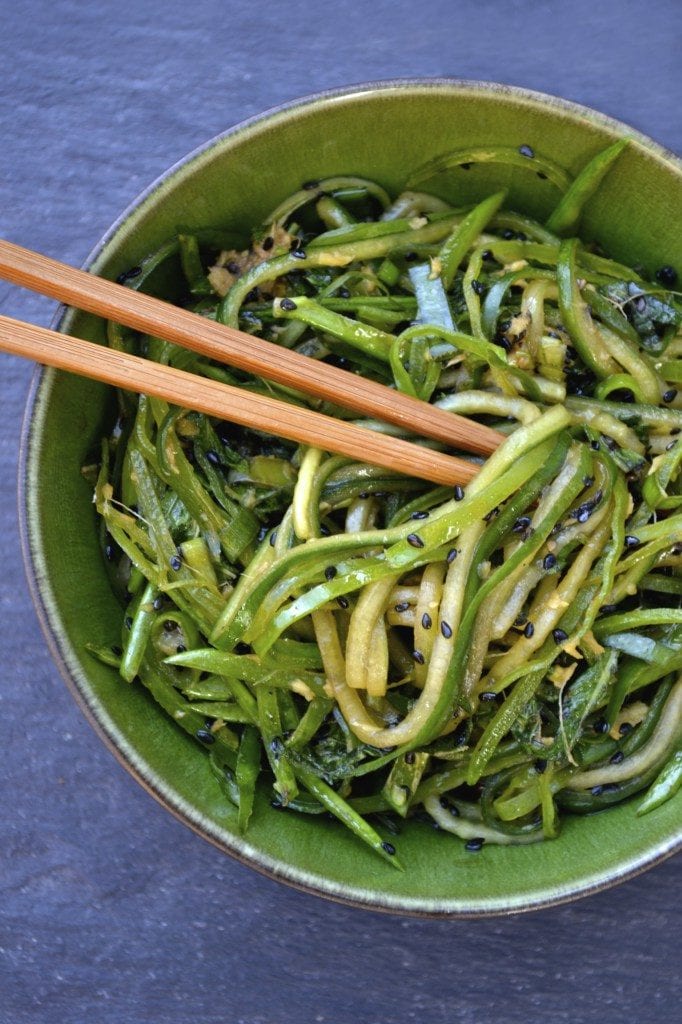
{"x":354,"y":641}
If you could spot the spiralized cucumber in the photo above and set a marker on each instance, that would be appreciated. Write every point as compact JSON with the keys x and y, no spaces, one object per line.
{"x":364,"y":643}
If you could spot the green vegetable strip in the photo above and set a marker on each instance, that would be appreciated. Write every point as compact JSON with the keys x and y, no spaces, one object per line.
{"x":362,"y":336}
{"x":455,"y":248}
{"x":564,"y":219}
{"x":345,"y":813}
{"x":246,"y":773}
{"x":523,"y":157}
{"x":270,"y":726}
{"x":500,"y":725}
{"x":577,"y":317}
{"x":664,"y":739}
{"x":666,"y":785}
{"x":141,"y":614}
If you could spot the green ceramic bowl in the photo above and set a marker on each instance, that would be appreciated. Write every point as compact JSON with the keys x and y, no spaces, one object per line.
{"x":383,"y":131}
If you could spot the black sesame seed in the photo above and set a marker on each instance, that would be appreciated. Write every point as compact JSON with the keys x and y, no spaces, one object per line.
{"x":176,"y":563}
{"x":115,"y":649}
{"x":330,"y":572}
{"x":478,"y":287}
{"x":669,"y":447}
{"x":157,"y":604}
{"x":507,"y":234}
{"x":418,"y":657}
{"x":426,"y":621}
{"x":559,"y":635}
{"x":129,"y":275}
{"x":624,"y":728}
{"x":446,"y":629}
{"x":410,"y":257}
{"x":526,"y":150}
{"x":549,"y":561}
{"x":451,"y":555}
{"x":521,"y":524}
{"x":667,"y":276}
{"x":474,"y":845}
{"x":617,"y":757}
{"x":415,"y":540}
{"x":180,"y":649}
{"x":205,"y":735}
{"x":458,"y":492}
{"x":213,"y":457}
{"x":109,"y":552}
{"x":298,"y":254}
{"x":601,"y":726}
{"x":288,"y":305}
{"x":127,"y":622}
{"x":389,"y":848}
{"x":273,"y":538}
{"x":670,"y":395}
{"x":597,"y":790}
{"x":342,"y":602}
{"x":169,"y":625}
{"x":402,"y":606}
{"x":595,"y":446}
{"x":630,"y":541}
{"x":488,"y":696}
{"x":528,"y":630}
{"x":268,"y":243}
{"x":419,"y":515}
{"x":487,"y":255}
{"x":520,"y":620}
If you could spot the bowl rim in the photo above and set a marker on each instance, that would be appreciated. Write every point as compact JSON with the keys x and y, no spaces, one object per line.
{"x":68,"y":664}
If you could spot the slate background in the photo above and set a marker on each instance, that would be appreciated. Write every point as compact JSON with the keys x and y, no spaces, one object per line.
{"x":110,"y":910}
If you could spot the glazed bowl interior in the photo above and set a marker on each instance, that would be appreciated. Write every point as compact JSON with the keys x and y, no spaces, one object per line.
{"x":381,"y":131}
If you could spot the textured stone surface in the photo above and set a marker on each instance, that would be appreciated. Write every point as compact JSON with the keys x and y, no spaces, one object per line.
{"x":110,"y":910}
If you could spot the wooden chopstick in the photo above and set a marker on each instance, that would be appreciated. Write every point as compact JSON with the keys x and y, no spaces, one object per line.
{"x":163,"y":320}
{"x":230,"y":403}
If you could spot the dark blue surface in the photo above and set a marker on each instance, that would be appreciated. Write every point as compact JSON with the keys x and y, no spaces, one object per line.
{"x":111,"y":911}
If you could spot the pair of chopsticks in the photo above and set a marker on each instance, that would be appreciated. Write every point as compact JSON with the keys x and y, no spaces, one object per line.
{"x":246,"y":352}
